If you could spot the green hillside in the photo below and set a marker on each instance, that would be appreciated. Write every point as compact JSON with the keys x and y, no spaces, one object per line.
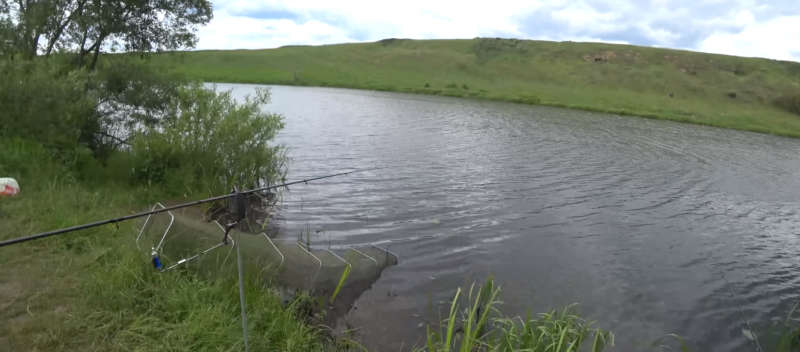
{"x":718,"y":90}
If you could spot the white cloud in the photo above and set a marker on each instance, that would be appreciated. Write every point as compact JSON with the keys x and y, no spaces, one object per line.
{"x":726,"y":21}
{"x":778,"y":38}
{"x":659,"y":35}
{"x":238,"y":32}
{"x":580,"y":15}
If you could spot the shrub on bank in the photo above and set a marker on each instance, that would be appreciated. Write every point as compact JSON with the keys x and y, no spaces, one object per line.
{"x":210,"y":142}
{"x":527,"y":99}
{"x":150,"y":128}
{"x":790,"y":103}
{"x":40,"y":101}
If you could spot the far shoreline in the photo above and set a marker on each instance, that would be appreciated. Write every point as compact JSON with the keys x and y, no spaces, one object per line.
{"x":543,"y":104}
{"x":748,"y":94}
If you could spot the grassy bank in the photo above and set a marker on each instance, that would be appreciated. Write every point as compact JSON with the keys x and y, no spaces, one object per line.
{"x":92,"y":290}
{"x":716,"y":90}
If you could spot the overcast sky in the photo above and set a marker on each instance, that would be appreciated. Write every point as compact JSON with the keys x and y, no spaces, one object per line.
{"x":738,"y":27}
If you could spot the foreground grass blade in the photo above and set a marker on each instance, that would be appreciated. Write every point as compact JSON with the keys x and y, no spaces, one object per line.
{"x":484,"y":328}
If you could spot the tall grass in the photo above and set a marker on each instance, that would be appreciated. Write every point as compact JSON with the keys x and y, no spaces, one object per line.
{"x":482,"y":327}
{"x":136,"y":308}
{"x":92,"y":290}
{"x":788,"y":337}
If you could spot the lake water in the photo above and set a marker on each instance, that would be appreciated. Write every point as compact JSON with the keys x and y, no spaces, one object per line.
{"x":653,"y":227}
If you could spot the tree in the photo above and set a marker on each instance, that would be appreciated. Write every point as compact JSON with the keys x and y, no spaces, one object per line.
{"x":65,"y":13}
{"x":7,"y":33}
{"x":123,"y":95}
{"x":88,"y":27}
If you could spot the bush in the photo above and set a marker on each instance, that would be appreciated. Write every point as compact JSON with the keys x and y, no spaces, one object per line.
{"x":26,"y":159}
{"x":527,"y":99}
{"x":392,"y":41}
{"x":210,"y":142}
{"x":488,"y":48}
{"x":133,"y":92}
{"x":41,"y":102}
{"x":790,"y":103}
{"x":66,"y":107}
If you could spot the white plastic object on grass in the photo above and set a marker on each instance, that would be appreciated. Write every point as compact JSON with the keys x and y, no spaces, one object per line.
{"x":8,"y":187}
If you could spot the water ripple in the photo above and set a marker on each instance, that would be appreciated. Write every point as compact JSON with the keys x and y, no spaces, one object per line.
{"x":654,"y":227}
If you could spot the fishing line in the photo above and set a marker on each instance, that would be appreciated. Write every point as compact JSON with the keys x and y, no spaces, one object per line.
{"x":165,"y":209}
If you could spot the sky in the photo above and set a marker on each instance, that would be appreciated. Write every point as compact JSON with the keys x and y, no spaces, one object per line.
{"x":769,"y":29}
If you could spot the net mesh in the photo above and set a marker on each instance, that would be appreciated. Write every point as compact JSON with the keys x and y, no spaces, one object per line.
{"x":292,"y":264}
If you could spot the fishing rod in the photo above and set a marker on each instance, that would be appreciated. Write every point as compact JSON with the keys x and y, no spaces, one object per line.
{"x":161,"y":210}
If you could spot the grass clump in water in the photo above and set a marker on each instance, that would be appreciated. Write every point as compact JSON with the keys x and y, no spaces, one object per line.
{"x":482,"y":327}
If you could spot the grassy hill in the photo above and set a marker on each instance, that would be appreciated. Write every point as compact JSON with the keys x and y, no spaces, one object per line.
{"x":717,"y":90}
